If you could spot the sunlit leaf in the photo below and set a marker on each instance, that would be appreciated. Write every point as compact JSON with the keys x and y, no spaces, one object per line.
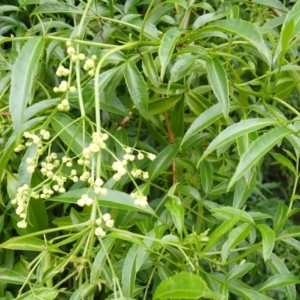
{"x":181,"y":286}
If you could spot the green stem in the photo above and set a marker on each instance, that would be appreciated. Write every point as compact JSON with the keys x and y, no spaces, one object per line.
{"x":84,"y":16}
{"x":145,"y":20}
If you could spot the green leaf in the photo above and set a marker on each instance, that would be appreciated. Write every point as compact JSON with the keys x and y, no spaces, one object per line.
{"x":181,"y":286}
{"x":206,"y":175}
{"x":239,"y":271}
{"x":129,"y":271}
{"x":236,"y":236}
{"x":246,"y":30}
{"x":70,"y":132}
{"x":5,"y":8}
{"x":150,"y":69}
{"x":207,"y":118}
{"x":243,"y":190}
{"x":257,"y":150}
{"x":177,"y":212}
{"x":161,"y":105}
{"x":189,"y":191}
{"x":237,"y":130}
{"x":268,"y":240}
{"x":127,"y":236}
{"x":100,"y":258}
{"x":40,"y":293}
{"x":137,"y":88}
{"x":281,"y":213}
{"x":289,"y":29}
{"x":38,"y":107}
{"x":24,"y":243}
{"x":181,"y":68}
{"x":209,"y":17}
{"x":8,"y":276}
{"x":88,"y":92}
{"x":271,"y":3}
{"x":163,"y":160}
{"x":57,"y":7}
{"x":229,"y":212}
{"x":113,"y":199}
{"x":22,"y":79}
{"x":166,"y":48}
{"x":279,"y":280}
{"x":284,"y":161}
{"x":220,"y":232}
{"x":251,"y":294}
{"x":219,"y":83}
{"x":279,"y":267}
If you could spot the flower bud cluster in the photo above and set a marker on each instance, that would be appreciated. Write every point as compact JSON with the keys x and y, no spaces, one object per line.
{"x":33,"y":139}
{"x":140,"y":199}
{"x":63,"y":87}
{"x":139,"y":173}
{"x":62,"y":71}
{"x":21,"y":200}
{"x":60,"y":182}
{"x":95,"y":146}
{"x":64,"y":105}
{"x":89,"y":65}
{"x":51,"y":162}
{"x":108,"y":222}
{"x":85,"y":200}
{"x":97,"y":185}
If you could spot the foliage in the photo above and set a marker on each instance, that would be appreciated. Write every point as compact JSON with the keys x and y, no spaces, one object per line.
{"x":149,"y":149}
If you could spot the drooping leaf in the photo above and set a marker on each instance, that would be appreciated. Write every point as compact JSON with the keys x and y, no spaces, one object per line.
{"x":166,"y":48}
{"x":236,"y":236}
{"x":150,"y":69}
{"x":279,"y":267}
{"x":163,"y":160}
{"x":177,"y":212}
{"x":70,"y":131}
{"x":129,"y":271}
{"x":268,"y":240}
{"x":246,"y":30}
{"x":237,"y":130}
{"x":207,"y":118}
{"x":239,"y":271}
{"x":219,"y":232}
{"x":137,"y":88}
{"x":219,"y":83}
{"x":257,"y":150}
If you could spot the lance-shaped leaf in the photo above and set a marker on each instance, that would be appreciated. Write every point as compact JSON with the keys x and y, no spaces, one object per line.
{"x":237,"y":130}
{"x":268,"y":240}
{"x":246,"y":30}
{"x":207,"y":118}
{"x":166,"y":48}
{"x":163,"y":160}
{"x":257,"y":150}
{"x":236,"y":236}
{"x":137,"y":88}
{"x":22,"y":79}
{"x":219,"y":83}
{"x":70,"y":132}
{"x":279,"y":280}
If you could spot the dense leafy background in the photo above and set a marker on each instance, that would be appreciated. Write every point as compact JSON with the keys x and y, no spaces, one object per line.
{"x":212,"y":89}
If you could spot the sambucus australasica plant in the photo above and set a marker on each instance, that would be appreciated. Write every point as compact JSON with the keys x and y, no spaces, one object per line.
{"x":149,"y":149}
